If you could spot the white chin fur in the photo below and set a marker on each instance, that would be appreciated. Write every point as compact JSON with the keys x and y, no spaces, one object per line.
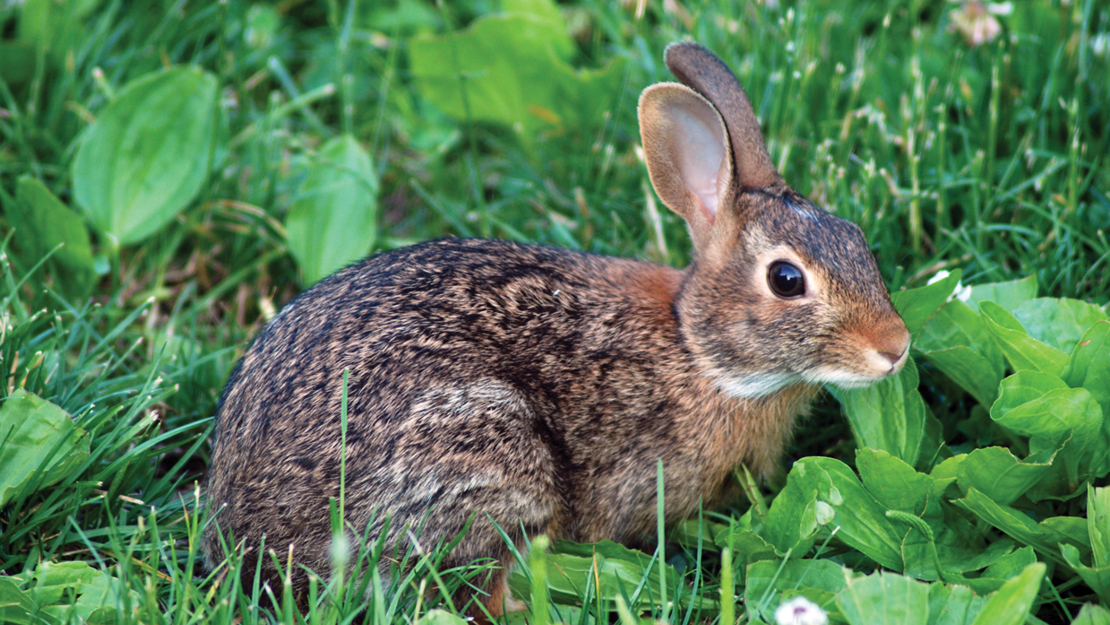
{"x":759,"y":385}
{"x":840,"y":378}
{"x":755,"y":385}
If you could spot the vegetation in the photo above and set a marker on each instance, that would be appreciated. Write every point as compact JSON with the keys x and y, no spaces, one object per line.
{"x":172,"y":172}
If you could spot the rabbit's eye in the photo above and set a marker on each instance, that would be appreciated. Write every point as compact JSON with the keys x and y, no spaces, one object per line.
{"x":785,"y":279}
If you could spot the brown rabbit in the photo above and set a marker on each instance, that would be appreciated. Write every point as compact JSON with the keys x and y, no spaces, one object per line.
{"x":539,"y":387}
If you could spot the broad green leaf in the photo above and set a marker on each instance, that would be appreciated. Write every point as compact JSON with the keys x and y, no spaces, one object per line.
{"x":947,"y":473}
{"x":1097,"y":577}
{"x":1011,"y":603}
{"x":63,"y":592}
{"x":747,"y":547}
{"x":1089,"y":365}
{"x":1008,"y":295}
{"x":1041,"y":406}
{"x":1011,"y":564}
{"x":558,"y":613}
{"x":512,"y":69}
{"x":818,"y":486}
{"x":884,"y":599}
{"x":1060,"y":323}
{"x":690,"y":531}
{"x":1092,"y":614}
{"x":42,"y":223}
{"x":888,"y":416}
{"x":99,"y":596}
{"x":968,"y":556}
{"x":894,"y":483}
{"x":570,"y":567}
{"x":552,"y":27}
{"x":54,"y":27}
{"x":1024,"y":387}
{"x":1000,"y":475}
{"x":334,"y":220}
{"x":15,"y":606}
{"x":147,"y":155}
{"x":1043,"y":537}
{"x":771,"y":582}
{"x":791,"y":525}
{"x":38,"y":441}
{"x":440,"y":617}
{"x":1070,"y":529}
{"x":1021,"y":350}
{"x":956,"y":341}
{"x":917,"y":305}
{"x":1098,"y":524}
{"x":968,"y":368}
{"x":1001,"y":570}
{"x":951,"y":604}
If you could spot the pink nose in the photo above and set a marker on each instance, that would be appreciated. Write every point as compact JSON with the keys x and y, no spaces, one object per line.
{"x":892,"y":357}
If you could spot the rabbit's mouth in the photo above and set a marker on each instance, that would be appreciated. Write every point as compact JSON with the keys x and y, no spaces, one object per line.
{"x":875,"y":366}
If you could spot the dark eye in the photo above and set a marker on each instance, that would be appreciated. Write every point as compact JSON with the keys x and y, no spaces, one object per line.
{"x":785,"y":279}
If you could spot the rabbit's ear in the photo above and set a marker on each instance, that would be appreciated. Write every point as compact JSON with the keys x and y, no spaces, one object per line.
{"x":706,"y":74}
{"x":687,"y":153}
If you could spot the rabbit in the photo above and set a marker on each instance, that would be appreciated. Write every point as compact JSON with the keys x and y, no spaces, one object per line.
{"x":538,"y":387}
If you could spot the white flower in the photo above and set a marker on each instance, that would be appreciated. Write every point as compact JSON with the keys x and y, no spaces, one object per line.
{"x":800,"y":611}
{"x":962,"y":293}
{"x":938,"y":276}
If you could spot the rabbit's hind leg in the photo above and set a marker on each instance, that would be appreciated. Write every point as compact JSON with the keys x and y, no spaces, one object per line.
{"x":478,"y":461}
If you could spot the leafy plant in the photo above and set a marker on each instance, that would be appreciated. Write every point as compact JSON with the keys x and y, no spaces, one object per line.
{"x":334,"y":221}
{"x":148,"y":153}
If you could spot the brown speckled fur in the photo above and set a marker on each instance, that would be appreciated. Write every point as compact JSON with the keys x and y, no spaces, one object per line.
{"x":540,"y":386}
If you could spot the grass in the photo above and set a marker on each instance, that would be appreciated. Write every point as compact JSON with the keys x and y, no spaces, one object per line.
{"x":988,"y":158}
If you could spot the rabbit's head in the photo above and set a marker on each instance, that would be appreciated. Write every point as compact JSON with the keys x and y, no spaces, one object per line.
{"x":780,"y":292}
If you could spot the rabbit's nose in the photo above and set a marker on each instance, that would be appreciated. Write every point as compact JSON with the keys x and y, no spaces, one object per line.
{"x":893,"y":357}
{"x":896,"y":347}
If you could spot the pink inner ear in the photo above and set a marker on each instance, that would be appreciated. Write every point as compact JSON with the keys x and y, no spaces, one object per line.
{"x":699,"y":144}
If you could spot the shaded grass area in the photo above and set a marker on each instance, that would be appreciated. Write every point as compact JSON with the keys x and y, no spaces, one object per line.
{"x":988,"y":158}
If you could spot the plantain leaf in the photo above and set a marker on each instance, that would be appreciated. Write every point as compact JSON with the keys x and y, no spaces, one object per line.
{"x":334,"y":221}
{"x":1042,"y":407}
{"x":1042,"y":537}
{"x":147,"y":155}
{"x":884,"y":599}
{"x":1021,"y":350}
{"x":889,"y":416}
{"x":64,"y":592}
{"x":39,"y":444}
{"x":1000,"y":475}
{"x":957,"y":342}
{"x":511,"y":68}
{"x":1008,"y":295}
{"x":1011,"y":603}
{"x":769,"y":583}
{"x":1058,"y":322}
{"x":43,"y":225}
{"x":918,"y":305}
{"x":440,"y":617}
{"x":825,"y":492}
{"x":1089,"y":365}
{"x":1092,"y":614}
{"x":953,"y":605}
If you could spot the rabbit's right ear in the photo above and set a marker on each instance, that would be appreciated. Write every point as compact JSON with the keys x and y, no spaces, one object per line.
{"x":688,"y":155}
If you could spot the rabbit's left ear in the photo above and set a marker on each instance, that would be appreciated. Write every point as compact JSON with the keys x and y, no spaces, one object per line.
{"x":706,"y":74}
{"x":688,"y":156}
